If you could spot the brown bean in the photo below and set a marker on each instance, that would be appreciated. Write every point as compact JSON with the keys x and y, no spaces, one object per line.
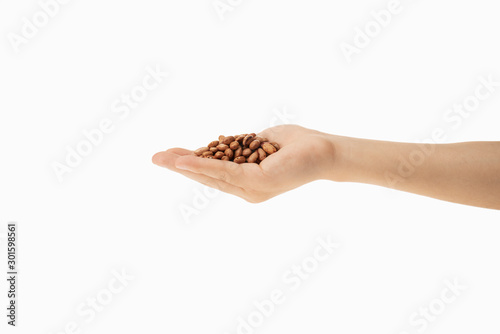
{"x":229,"y":153}
{"x":262,"y":154}
{"x":228,"y":140}
{"x":253,"y":157}
{"x":239,"y":160}
{"x":240,"y":148}
{"x":213,"y":143}
{"x":246,"y":152}
{"x":201,"y":150}
{"x":246,"y":140}
{"x":222,"y":147}
{"x":240,"y":138}
{"x":234,"y":145}
{"x":268,"y":147}
{"x":238,"y":152}
{"x":255,"y":144}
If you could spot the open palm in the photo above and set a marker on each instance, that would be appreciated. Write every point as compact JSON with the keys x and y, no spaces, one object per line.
{"x":304,"y":156}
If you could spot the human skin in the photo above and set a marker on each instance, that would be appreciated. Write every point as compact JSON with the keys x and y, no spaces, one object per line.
{"x":466,"y":173}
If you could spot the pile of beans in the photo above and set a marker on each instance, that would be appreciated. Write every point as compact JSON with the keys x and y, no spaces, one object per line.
{"x":248,"y":148}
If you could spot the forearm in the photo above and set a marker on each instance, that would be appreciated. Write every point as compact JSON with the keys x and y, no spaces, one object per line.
{"x":467,"y":173}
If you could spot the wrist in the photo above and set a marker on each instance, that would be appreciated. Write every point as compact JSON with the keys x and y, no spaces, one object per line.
{"x":363,"y":160}
{"x":337,"y":154}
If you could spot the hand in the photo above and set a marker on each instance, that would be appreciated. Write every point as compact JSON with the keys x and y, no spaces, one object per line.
{"x":305,"y":155}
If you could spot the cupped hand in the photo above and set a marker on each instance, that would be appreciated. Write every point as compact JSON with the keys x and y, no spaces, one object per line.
{"x":305,"y":155}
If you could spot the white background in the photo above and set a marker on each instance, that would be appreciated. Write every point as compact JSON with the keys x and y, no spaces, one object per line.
{"x":117,"y":210}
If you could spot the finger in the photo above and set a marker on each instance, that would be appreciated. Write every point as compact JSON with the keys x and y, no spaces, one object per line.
{"x":276,"y":134}
{"x":266,"y":134}
{"x":215,"y":183}
{"x":178,"y":159}
{"x":167,"y":159}
{"x":283,"y":134}
{"x":226,"y":171}
{"x":180,"y":151}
